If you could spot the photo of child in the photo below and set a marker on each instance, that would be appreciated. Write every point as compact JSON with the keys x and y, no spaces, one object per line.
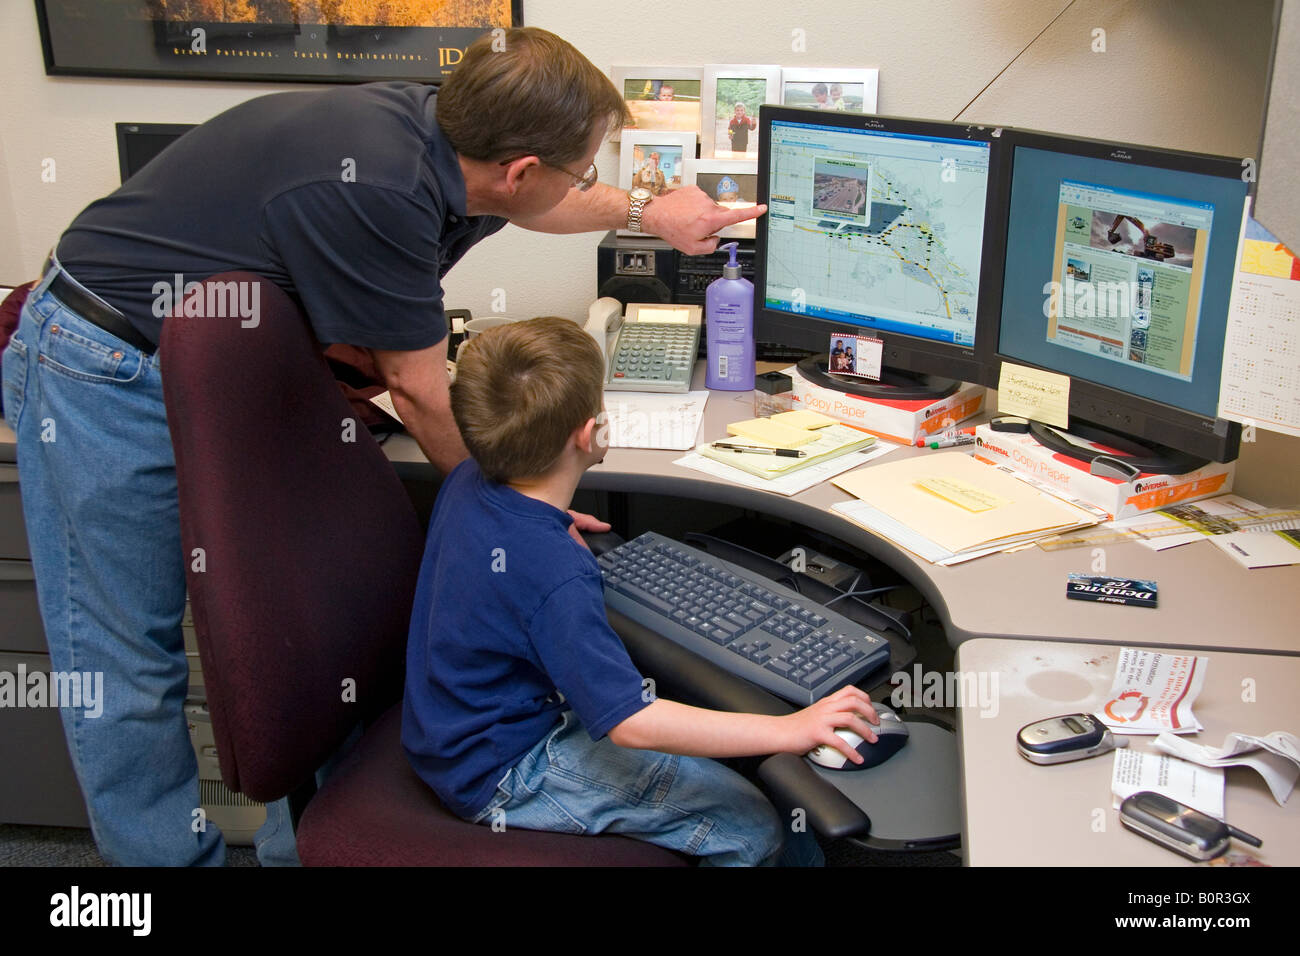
{"x":850,"y":91}
{"x":737,"y":104}
{"x":663,"y":104}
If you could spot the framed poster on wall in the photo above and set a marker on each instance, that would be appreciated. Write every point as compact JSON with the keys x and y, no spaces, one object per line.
{"x":332,"y":41}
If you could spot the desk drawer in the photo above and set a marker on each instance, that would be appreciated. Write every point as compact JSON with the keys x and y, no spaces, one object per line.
{"x":13,"y":533}
{"x":37,"y":785}
{"x":20,"y":614}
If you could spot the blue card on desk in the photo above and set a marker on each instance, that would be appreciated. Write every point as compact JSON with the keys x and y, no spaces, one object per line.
{"x":1110,"y":590}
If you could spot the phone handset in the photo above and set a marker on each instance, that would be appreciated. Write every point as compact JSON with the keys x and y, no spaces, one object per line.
{"x":604,"y":319}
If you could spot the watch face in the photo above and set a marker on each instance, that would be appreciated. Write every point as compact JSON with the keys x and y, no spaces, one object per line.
{"x":641,"y":193}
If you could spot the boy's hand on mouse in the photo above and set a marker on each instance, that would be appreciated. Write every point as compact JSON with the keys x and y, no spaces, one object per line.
{"x":848,"y":708}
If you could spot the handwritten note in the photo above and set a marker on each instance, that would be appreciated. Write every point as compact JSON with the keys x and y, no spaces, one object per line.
{"x":654,"y":420}
{"x":1033,"y":393}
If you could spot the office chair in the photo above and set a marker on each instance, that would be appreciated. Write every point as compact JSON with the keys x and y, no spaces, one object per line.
{"x":302,"y":552}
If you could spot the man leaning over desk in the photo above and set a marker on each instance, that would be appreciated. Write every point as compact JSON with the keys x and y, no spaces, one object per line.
{"x":354,"y":200}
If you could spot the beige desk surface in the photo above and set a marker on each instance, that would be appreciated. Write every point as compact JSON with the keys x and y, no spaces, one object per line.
{"x":1206,"y":600}
{"x":1022,"y":814}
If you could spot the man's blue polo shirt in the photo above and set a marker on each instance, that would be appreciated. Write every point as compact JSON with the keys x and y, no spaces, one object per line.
{"x":350,"y":199}
{"x":509,"y":610}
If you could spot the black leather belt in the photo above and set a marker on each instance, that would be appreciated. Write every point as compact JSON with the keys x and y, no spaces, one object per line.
{"x":96,"y":312}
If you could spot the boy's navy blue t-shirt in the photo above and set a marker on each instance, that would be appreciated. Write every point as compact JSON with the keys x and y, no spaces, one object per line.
{"x":509,"y":614}
{"x":349,"y":198}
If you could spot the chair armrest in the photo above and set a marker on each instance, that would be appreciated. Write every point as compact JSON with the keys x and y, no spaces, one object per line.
{"x":791,"y":784}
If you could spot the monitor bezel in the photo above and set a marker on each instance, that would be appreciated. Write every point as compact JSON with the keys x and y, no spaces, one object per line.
{"x":901,"y":351}
{"x":1200,"y":435}
{"x":126,"y":130}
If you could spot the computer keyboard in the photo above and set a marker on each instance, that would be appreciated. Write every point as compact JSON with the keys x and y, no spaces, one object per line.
{"x":748,"y":625}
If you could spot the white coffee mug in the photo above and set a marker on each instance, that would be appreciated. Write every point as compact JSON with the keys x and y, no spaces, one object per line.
{"x":478,"y":326}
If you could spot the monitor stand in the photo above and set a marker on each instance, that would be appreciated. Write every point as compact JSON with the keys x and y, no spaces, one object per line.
{"x":894,"y":384}
{"x":1144,"y":456}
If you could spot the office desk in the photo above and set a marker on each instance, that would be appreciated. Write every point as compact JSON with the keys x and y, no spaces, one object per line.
{"x":1207,"y":601}
{"x":1020,"y":814}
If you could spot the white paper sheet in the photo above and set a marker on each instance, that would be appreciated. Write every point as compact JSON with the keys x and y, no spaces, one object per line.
{"x":668,"y":420}
{"x":1276,"y":757}
{"x":1153,"y":693}
{"x":1199,"y":787}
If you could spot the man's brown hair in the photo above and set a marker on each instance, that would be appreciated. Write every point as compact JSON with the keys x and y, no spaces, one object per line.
{"x":521,"y":390}
{"x":526,"y":92}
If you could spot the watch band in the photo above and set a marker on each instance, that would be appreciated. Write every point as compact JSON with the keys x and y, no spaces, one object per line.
{"x":635,"y":209}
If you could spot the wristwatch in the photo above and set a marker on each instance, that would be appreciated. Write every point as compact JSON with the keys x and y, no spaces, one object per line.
{"x":637,"y":200}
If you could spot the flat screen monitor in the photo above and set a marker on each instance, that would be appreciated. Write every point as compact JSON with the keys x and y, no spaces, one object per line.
{"x":1119,"y":269}
{"x":877,"y":226}
{"x":138,"y":143}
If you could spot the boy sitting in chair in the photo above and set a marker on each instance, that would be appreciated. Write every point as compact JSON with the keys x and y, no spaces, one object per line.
{"x":521,"y":703}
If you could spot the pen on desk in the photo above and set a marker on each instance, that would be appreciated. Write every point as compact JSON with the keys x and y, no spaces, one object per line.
{"x":759,"y":449}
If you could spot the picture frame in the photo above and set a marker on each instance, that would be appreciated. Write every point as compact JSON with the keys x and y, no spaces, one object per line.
{"x":859,"y":88}
{"x":714,"y":176}
{"x":643,"y":87}
{"x":654,"y":159}
{"x":138,"y":38}
{"x":736,"y":86}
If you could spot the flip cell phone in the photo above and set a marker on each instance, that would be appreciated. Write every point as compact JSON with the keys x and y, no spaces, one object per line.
{"x":1175,"y":825}
{"x":1066,"y":738}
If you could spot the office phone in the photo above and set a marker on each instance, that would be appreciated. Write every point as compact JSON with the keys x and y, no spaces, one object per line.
{"x":651,"y":348}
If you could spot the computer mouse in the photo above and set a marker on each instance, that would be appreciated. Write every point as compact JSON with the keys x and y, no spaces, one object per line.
{"x":891,"y":736}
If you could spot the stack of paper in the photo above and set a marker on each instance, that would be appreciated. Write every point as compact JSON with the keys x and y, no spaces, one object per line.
{"x":818,"y":437}
{"x":948,"y":506}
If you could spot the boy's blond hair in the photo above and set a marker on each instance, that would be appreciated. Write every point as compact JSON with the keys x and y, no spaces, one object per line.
{"x":521,"y":390}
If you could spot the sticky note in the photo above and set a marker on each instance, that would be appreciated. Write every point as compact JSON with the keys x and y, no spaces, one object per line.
{"x":962,"y":493}
{"x":1033,"y":393}
{"x":804,"y":418}
{"x":769,"y":432}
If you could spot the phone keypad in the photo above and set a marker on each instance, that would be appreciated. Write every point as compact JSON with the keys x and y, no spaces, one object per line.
{"x":654,"y":355}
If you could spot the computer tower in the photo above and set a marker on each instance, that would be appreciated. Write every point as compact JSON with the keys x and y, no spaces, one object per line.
{"x":238,"y":817}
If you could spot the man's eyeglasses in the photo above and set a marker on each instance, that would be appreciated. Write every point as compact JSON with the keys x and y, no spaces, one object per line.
{"x":581,"y":183}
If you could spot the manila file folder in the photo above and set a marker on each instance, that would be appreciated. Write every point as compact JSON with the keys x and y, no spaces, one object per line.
{"x":960,"y":503}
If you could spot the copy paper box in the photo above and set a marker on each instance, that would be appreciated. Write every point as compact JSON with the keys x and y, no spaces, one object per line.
{"x":905,"y":422}
{"x":1120,"y":499}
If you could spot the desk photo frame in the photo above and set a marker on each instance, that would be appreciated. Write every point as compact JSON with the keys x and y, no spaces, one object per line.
{"x":670,"y":152}
{"x":716,"y":177}
{"x":816,"y":89}
{"x":741,"y":89}
{"x":643,"y":90}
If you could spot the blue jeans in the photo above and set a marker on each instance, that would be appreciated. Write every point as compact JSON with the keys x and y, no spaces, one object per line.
{"x":98,"y":483}
{"x":570,"y":783}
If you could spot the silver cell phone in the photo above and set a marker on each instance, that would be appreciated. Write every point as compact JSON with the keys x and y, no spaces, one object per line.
{"x":1061,"y":739}
{"x":1191,"y":833}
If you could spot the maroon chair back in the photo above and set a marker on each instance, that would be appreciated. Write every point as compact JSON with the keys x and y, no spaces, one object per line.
{"x":301,"y":546}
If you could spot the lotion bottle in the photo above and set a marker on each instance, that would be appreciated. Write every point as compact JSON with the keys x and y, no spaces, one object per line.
{"x":729,"y":326}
